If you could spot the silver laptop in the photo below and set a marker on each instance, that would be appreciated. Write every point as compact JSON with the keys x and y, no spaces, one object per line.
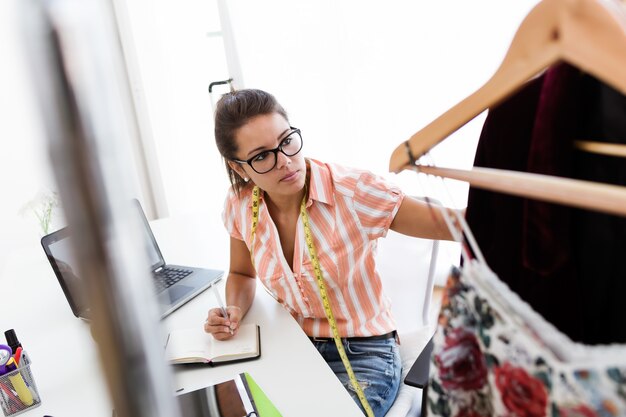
{"x":174,"y":284}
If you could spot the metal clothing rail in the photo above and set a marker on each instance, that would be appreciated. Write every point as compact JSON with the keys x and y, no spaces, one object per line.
{"x":75,"y":68}
{"x":224,"y":82}
{"x":604,"y":198}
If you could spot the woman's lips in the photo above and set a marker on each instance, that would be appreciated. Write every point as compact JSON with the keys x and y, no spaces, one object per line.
{"x":290,"y":177}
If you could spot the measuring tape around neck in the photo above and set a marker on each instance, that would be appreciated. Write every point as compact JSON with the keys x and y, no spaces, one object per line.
{"x":320,"y":284}
{"x":255,"y":219}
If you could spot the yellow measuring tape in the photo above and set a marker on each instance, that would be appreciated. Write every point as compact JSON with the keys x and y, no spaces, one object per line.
{"x":320,"y":284}
{"x":255,"y":218}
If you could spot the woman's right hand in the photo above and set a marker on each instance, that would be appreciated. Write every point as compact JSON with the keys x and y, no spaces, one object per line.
{"x":223,"y":328}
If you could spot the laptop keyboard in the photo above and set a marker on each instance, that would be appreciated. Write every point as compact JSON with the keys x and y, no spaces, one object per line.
{"x":167,"y":277}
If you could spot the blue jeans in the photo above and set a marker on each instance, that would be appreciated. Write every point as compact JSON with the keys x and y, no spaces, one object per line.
{"x":376,"y":364}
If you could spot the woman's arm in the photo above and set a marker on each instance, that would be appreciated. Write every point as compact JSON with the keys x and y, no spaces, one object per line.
{"x":240,"y":290}
{"x":419,"y":219}
{"x":241,"y":283}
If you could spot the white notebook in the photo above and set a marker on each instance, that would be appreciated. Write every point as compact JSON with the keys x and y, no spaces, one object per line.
{"x":194,"y":345}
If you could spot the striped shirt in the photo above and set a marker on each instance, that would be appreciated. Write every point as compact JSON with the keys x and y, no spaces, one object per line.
{"x":348,"y":210}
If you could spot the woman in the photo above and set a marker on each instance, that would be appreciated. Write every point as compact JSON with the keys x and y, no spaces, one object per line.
{"x":345,"y":210}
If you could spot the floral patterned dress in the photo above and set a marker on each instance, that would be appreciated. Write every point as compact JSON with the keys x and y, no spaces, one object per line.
{"x":494,"y":356}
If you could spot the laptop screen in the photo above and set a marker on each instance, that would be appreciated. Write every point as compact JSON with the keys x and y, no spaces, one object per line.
{"x":154,"y":254}
{"x":63,"y":260}
{"x":59,"y":249}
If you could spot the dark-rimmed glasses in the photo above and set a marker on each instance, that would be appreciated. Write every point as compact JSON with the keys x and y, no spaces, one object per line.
{"x":265,"y":161}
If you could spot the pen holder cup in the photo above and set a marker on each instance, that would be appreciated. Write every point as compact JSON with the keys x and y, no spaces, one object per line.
{"x":18,"y":392}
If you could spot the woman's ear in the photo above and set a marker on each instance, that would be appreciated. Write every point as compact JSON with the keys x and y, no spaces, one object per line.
{"x":238,"y":169}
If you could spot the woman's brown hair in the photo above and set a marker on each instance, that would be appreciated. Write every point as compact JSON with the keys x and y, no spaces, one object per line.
{"x":233,"y":111}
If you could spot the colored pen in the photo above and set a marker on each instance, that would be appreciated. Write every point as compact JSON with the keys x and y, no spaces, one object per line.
{"x":12,"y":339}
{"x":10,"y":399}
{"x":18,"y":355}
{"x":221,"y":305}
{"x":19,"y":385}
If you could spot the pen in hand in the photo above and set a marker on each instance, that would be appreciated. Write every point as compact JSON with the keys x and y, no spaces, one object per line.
{"x":221,"y":305}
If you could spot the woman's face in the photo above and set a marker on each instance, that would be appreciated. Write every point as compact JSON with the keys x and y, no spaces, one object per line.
{"x":263,"y":133}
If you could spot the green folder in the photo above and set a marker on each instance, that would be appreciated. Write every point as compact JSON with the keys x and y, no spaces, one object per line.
{"x":262,"y":404}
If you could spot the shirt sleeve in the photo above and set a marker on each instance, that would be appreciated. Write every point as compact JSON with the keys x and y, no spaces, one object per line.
{"x":230,"y":215}
{"x":376,"y":202}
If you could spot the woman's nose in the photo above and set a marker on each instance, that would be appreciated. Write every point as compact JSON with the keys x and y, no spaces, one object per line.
{"x":282,"y":160}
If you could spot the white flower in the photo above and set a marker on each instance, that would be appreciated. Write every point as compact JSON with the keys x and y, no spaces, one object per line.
{"x":42,"y":206}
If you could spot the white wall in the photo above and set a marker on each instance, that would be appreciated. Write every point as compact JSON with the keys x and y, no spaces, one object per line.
{"x":360,"y":77}
{"x":175,"y":62}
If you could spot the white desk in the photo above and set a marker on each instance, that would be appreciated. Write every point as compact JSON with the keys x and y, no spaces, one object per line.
{"x":65,"y":363}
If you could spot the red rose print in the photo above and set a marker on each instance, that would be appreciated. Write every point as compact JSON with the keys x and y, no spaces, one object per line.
{"x":521,"y":394}
{"x":461,"y":363}
{"x":578,"y":411}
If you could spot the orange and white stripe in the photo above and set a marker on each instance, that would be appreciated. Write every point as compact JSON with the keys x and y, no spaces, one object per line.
{"x":348,"y":210}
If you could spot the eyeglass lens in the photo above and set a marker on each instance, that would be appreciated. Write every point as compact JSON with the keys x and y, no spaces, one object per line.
{"x":265,"y":161}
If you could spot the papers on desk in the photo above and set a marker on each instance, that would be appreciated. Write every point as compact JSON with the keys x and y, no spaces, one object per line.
{"x":240,"y":396}
{"x":194,"y":345}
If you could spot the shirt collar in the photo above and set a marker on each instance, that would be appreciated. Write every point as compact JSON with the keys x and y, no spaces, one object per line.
{"x":320,"y":183}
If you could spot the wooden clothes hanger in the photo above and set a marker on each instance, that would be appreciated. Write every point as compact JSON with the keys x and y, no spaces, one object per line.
{"x":606,"y":198}
{"x":589,"y":34}
{"x":601,"y":148}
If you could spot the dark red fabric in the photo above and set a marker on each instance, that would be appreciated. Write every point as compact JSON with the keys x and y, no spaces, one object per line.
{"x":546,"y":238}
{"x":566,"y":263}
